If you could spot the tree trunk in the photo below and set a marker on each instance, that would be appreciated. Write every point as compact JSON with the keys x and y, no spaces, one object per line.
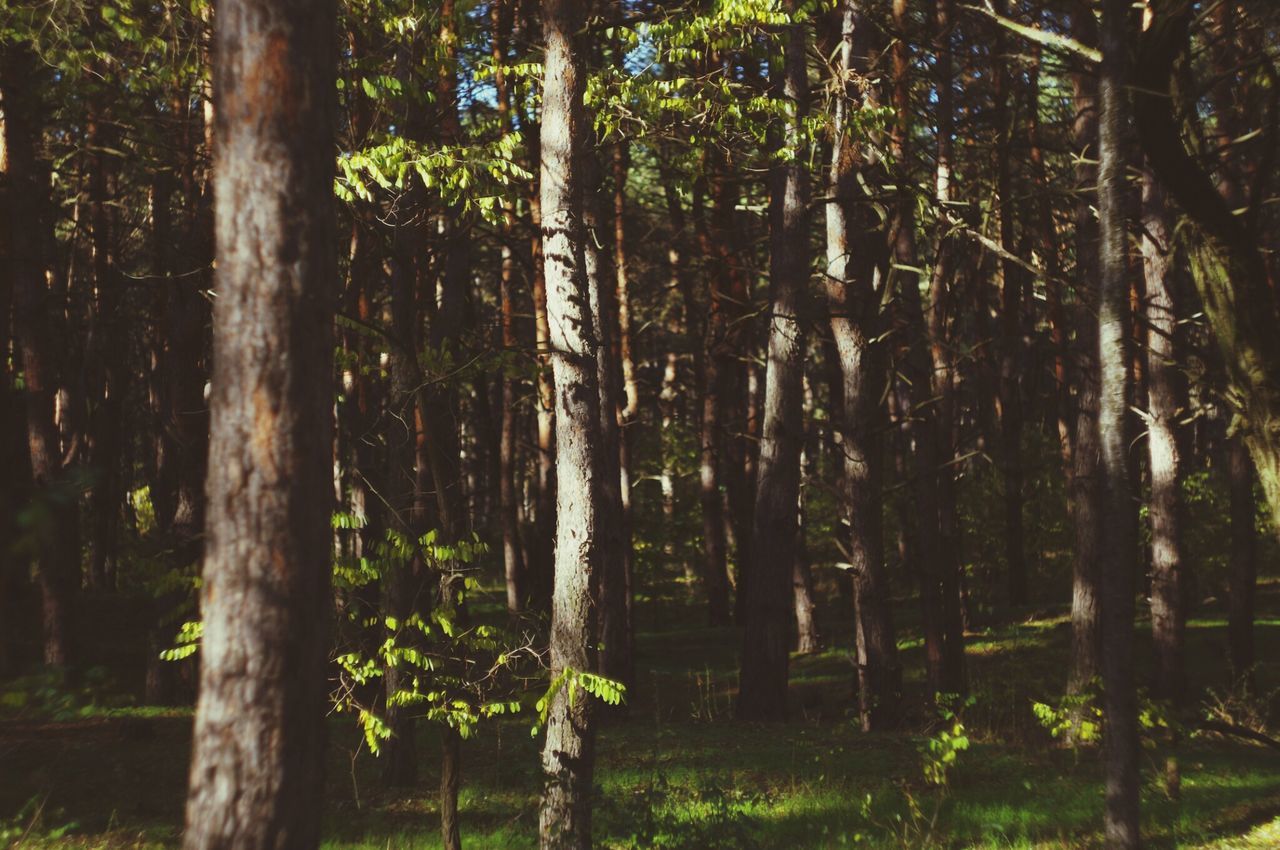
{"x":27,"y":217}
{"x":763,"y":690}
{"x":1085,"y":490}
{"x":1119,"y":550}
{"x":513,"y":563}
{"x":1227,"y":263}
{"x":855,"y":319}
{"x":257,"y":766}
{"x":1244,"y":563}
{"x":710,"y":433}
{"x":568,"y":751}
{"x":1011,"y":287}
{"x":1168,"y":401}
{"x":939,"y":583}
{"x":450,"y":783}
{"x":615,"y":637}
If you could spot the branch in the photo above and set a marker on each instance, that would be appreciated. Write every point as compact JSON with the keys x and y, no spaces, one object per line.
{"x":1052,"y":40}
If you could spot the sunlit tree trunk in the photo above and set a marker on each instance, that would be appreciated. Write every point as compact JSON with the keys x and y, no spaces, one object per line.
{"x":568,"y":752}
{"x":257,"y":766}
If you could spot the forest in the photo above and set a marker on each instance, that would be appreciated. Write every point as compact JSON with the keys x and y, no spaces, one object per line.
{"x":640,"y":424}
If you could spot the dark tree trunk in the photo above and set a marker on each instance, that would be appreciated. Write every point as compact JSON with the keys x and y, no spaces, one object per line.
{"x":568,"y":757}
{"x":710,"y":432}
{"x":615,"y":638}
{"x":1244,"y":563}
{"x":939,"y":581}
{"x":1119,"y":550}
{"x":1011,"y":289}
{"x":513,"y":562}
{"x":763,"y":689}
{"x":26,"y":219}
{"x":257,"y":766}
{"x":1227,"y":263}
{"x":450,"y":784}
{"x":1085,"y":490}
{"x":855,"y":319}
{"x":107,"y":348}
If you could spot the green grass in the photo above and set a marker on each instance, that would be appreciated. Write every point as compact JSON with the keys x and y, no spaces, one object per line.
{"x":679,"y":773}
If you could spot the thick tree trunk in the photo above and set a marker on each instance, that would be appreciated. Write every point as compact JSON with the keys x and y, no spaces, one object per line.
{"x":26,"y":218}
{"x":568,"y":757}
{"x":855,"y":319}
{"x":1119,"y":550}
{"x":257,"y":766}
{"x":1227,"y":264}
{"x":763,"y":689}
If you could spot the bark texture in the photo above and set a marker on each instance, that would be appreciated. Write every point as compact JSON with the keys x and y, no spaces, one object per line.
{"x":257,"y":767}
{"x":568,"y":751}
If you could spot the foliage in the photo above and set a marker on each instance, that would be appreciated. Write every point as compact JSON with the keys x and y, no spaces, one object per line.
{"x":56,"y":695}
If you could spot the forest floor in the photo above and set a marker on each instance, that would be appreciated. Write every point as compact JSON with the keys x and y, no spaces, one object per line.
{"x":680,"y":773}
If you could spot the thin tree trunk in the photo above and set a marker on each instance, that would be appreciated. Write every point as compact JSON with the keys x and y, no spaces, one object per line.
{"x":763,"y":689}
{"x":1085,"y":483}
{"x":513,"y":563}
{"x":1012,"y":284}
{"x":257,"y":766}
{"x":450,"y":784}
{"x":1244,"y":562}
{"x":568,"y":752}
{"x":1119,"y":550}
{"x":710,"y":431}
{"x":615,"y":655}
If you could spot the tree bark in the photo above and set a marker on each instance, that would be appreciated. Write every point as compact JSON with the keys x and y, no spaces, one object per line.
{"x":568,"y":751}
{"x":765,"y":656}
{"x":257,"y":766}
{"x":855,"y":323}
{"x":1168,"y":400}
{"x":1119,"y":549}
{"x":1085,"y":491}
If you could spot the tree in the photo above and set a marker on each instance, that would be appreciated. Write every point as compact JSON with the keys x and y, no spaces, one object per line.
{"x":265,"y":601}
{"x":855,"y":320}
{"x":27,"y":214}
{"x":765,"y":642}
{"x":1119,"y":542}
{"x":568,"y":753}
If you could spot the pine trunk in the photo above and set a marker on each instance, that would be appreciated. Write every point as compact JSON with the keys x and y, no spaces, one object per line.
{"x":257,"y":766}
